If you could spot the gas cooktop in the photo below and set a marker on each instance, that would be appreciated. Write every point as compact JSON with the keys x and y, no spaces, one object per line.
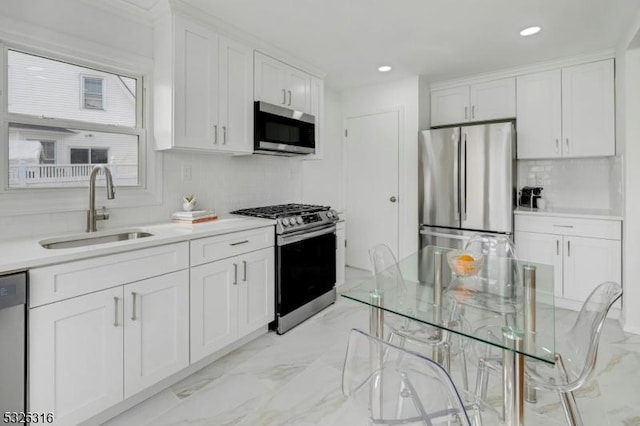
{"x":293,"y":217}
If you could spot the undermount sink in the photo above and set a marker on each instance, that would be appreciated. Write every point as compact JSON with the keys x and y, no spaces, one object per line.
{"x":90,"y":240}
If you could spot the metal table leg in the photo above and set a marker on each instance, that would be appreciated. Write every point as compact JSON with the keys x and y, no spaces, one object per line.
{"x":513,"y":378}
{"x":376,"y":328}
{"x":530,"y":321}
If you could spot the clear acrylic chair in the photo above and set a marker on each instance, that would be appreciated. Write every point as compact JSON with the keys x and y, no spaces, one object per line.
{"x":497,"y":289}
{"x":576,"y":351}
{"x":404,"y":330}
{"x":397,"y":386}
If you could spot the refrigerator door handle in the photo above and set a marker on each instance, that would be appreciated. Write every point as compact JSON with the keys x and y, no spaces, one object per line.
{"x":443,"y":235}
{"x":456,"y":183}
{"x":463,"y":179}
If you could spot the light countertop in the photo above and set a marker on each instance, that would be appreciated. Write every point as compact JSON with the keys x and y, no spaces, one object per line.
{"x":27,"y":253}
{"x":567,"y":212}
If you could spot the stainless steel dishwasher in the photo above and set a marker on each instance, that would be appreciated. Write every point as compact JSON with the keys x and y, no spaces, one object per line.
{"x":13,"y":343}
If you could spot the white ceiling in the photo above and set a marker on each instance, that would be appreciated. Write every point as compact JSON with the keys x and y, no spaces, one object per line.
{"x":443,"y":39}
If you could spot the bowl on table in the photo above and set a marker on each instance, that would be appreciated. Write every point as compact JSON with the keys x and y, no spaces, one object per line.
{"x":465,"y":263}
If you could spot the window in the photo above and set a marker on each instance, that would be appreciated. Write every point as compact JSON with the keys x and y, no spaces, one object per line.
{"x":52,"y":141}
{"x":89,"y":155}
{"x":92,"y":92}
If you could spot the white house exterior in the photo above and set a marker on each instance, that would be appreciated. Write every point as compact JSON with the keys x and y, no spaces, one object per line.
{"x":43,"y":87}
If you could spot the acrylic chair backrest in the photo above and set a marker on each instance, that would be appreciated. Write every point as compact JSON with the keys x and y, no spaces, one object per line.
{"x":384,"y":267}
{"x":578,"y":347}
{"x":398,"y":386}
{"x":500,"y":261}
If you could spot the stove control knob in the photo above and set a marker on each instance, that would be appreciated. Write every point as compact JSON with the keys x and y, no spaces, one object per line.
{"x":329,"y":214}
{"x":285,"y":222}
{"x":299,"y":220}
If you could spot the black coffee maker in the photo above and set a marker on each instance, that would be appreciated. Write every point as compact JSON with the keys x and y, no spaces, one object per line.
{"x":529,"y":196}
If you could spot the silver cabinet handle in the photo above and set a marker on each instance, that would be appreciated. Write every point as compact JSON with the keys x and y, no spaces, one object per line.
{"x":568,"y":248}
{"x":284,"y":96}
{"x":557,"y":146}
{"x":393,"y":199}
{"x":244,"y":269}
{"x":473,"y":111}
{"x":115,"y":317}
{"x":289,"y":97}
{"x":567,"y":144}
{"x":224,"y":135}
{"x":466,"y":115}
{"x":133,"y":305}
{"x":557,"y":247}
{"x":235,"y":274}
{"x":238,"y":243}
{"x":215,"y":134}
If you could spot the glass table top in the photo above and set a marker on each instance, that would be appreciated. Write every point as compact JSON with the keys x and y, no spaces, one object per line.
{"x":497,"y":306}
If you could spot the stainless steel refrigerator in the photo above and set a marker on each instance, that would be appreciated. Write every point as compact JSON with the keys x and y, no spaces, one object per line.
{"x":467,"y":182}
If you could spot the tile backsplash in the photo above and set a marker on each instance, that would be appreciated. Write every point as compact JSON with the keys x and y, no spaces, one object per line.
{"x":593,"y":183}
{"x":220,"y":183}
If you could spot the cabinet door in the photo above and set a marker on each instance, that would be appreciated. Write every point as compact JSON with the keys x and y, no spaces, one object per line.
{"x":545,"y":249}
{"x":539,"y":117}
{"x":156,"y":332}
{"x":214,"y":307}
{"x":589,"y":262}
{"x":195,"y":86}
{"x":298,"y":85}
{"x":493,"y":100}
{"x":256,"y":290}
{"x":75,"y":356}
{"x":450,"y":106}
{"x":270,"y":80}
{"x":236,"y":97}
{"x":588,"y":110}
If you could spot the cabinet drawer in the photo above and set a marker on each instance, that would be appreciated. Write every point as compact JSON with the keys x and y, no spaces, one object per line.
{"x":210,"y":249}
{"x":58,"y":282}
{"x":607,"y":229}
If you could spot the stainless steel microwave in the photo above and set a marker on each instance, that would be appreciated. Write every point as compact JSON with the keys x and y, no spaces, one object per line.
{"x":282,"y":131}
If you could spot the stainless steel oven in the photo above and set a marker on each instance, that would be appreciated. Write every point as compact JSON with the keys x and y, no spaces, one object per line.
{"x":305,"y":260}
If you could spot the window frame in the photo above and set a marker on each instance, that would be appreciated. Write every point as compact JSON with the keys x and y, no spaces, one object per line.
{"x":15,"y":201}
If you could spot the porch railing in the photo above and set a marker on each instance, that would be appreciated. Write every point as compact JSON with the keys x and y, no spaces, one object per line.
{"x":47,"y":175}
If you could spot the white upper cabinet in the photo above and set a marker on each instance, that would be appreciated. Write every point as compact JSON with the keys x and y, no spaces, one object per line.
{"x":477,"y":102}
{"x":280,"y":84}
{"x":567,"y":112}
{"x":450,"y":106}
{"x":588,"y":123}
{"x":493,"y":100}
{"x":539,"y":118}
{"x":203,"y":89}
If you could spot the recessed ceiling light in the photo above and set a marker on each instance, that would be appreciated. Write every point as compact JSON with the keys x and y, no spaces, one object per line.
{"x":384,"y":68}
{"x":530,"y":31}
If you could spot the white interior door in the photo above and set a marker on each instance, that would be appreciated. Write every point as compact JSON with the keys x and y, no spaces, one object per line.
{"x":372,"y":185}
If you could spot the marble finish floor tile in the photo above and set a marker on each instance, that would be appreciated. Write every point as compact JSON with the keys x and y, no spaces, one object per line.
{"x":295,"y":379}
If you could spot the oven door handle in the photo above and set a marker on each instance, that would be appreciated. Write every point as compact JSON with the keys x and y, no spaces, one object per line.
{"x":304,"y":235}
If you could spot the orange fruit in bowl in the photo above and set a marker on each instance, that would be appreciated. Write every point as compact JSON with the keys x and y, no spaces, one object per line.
{"x":465,"y":264}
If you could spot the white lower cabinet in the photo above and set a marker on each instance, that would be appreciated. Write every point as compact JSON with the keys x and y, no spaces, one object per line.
{"x":76,"y":356}
{"x":340,"y":252}
{"x":583,"y":252}
{"x":156,"y":330}
{"x":90,"y":352}
{"x":230,"y":298}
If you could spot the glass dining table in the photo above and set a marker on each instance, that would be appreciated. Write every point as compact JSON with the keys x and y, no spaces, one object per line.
{"x":508,"y":305}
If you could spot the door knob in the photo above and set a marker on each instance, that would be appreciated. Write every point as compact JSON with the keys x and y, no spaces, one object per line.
{"x":393,"y":199}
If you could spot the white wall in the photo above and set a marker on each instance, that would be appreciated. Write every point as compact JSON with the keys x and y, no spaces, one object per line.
{"x":322,"y":180}
{"x":631,"y":270}
{"x":628,"y":137}
{"x":405,"y":95}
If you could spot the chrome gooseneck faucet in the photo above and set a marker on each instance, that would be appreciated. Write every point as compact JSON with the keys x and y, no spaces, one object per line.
{"x":92,"y":214}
